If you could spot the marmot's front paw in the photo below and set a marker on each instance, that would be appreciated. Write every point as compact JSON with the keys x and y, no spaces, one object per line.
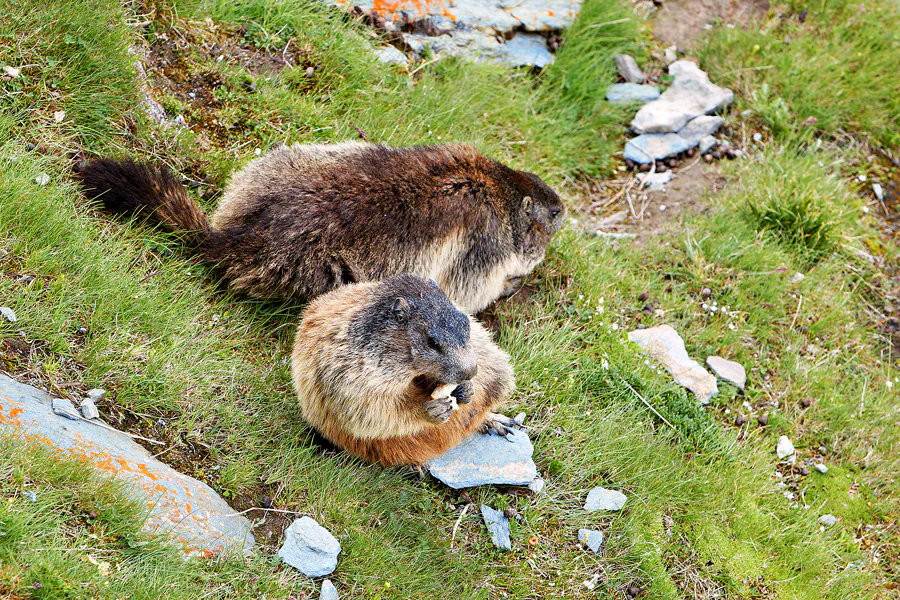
{"x":440,"y":409}
{"x":464,"y":392}
{"x":511,"y":287}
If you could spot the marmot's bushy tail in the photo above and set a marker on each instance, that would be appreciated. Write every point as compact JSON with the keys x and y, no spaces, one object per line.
{"x":152,"y":192}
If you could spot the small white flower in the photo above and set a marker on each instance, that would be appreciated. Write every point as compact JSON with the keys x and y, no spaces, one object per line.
{"x":605,"y":364}
{"x":615,"y":326}
{"x":889,"y":383}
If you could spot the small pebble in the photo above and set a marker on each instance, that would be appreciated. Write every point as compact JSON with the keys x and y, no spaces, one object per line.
{"x":785,"y":447}
{"x":8,"y":314}
{"x":42,"y":179}
{"x":310,"y":71}
{"x":763,"y":419}
{"x":536,"y":485}
{"x":705,"y":293}
{"x":519,"y":419}
{"x":329,"y":592}
{"x":96,"y":394}
{"x":757,"y":137}
{"x":827,"y":520}
{"x":89,"y":409}
{"x":32,"y":496}
{"x":821,"y":468}
{"x":879,"y":191}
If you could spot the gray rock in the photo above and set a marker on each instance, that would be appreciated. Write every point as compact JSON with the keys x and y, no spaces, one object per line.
{"x":8,"y":314}
{"x":329,"y":592}
{"x":310,"y":548}
{"x":757,"y":137}
{"x":89,"y":409}
{"x":631,"y":93}
{"x":728,"y":370}
{"x":670,"y":55}
{"x":655,"y":181}
{"x":602,"y":499}
{"x":828,"y":520}
{"x":187,"y":510}
{"x":64,"y":408}
{"x":591,"y":538}
{"x":525,"y":49}
{"x":628,"y":68}
{"x":699,"y":128}
{"x":707,"y":144}
{"x":797,"y":278}
{"x":821,"y":468}
{"x":42,"y":179}
{"x":537,"y":485}
{"x":391,"y":55}
{"x":520,"y":419}
{"x":487,"y":458}
{"x":665,"y":345}
{"x":646,"y":148}
{"x":784,"y":448}
{"x":690,"y":95}
{"x":498,"y":526}
{"x":96,"y":394}
{"x":879,"y":191}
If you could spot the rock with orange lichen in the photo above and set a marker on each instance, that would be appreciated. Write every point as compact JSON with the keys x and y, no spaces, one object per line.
{"x":186,"y":510}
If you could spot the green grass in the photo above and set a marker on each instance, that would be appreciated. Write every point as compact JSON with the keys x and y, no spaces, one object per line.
{"x":707,"y":511}
{"x":833,"y":73}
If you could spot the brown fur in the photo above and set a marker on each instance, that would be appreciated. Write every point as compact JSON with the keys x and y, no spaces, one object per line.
{"x":298,"y":222}
{"x":371,"y":402}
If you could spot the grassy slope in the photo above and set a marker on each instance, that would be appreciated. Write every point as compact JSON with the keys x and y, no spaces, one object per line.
{"x":706,"y":511}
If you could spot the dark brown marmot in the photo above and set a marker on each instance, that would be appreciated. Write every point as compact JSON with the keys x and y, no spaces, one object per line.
{"x":300,"y":221}
{"x":373,"y":365}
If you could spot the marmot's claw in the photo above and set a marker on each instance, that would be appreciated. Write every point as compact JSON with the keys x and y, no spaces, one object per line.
{"x":512,"y":286}
{"x":464,"y":392}
{"x":439,"y":409}
{"x":499,"y":423}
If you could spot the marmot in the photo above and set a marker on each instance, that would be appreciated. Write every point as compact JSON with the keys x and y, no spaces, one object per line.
{"x":302,"y":220}
{"x":372,"y":362}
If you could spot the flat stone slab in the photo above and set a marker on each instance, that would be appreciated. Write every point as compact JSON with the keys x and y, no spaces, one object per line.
{"x":699,"y":128}
{"x":665,"y":345}
{"x":472,"y":28}
{"x":646,"y":148}
{"x":655,"y":181}
{"x":188,"y":511}
{"x":603,"y":499}
{"x":310,"y":548}
{"x":498,"y":526}
{"x":486,"y":459}
{"x":591,"y":538}
{"x":728,"y":370}
{"x":390,"y":55}
{"x":690,"y":95}
{"x":631,"y":93}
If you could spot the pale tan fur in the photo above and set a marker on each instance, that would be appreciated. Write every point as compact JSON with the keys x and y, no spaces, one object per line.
{"x":375,"y":414}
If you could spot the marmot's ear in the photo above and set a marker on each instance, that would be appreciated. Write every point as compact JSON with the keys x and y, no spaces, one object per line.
{"x":527,"y":205}
{"x":401,"y":310}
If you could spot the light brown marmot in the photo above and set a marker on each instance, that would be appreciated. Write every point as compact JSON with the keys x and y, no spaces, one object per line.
{"x":370,"y":361}
{"x":302,"y":220}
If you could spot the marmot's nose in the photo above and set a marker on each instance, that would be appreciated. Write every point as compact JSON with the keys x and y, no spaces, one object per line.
{"x":469,"y":370}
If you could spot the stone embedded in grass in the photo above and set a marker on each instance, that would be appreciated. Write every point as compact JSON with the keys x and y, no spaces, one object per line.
{"x":602,"y":499}
{"x":8,"y":314}
{"x":784,"y":448}
{"x":525,"y":49}
{"x":690,"y":95}
{"x":329,"y":592}
{"x":828,"y":520}
{"x":485,"y":459}
{"x":821,"y":468}
{"x":42,"y":179}
{"x":537,"y":485}
{"x":665,"y":345}
{"x":728,"y":370}
{"x":498,"y":526}
{"x":699,"y":128}
{"x":628,"y":68}
{"x":879,"y":191}
{"x":591,"y":538}
{"x":179,"y":506}
{"x":310,"y":548}
{"x":631,"y":93}
{"x":797,"y":278}
{"x":655,"y":181}
{"x":391,"y":56}
{"x":96,"y":394}
{"x":644,"y":149}
{"x":707,"y":143}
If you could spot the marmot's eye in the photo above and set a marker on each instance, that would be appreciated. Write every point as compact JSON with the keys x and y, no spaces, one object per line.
{"x":434,"y":344}
{"x":554,"y":213}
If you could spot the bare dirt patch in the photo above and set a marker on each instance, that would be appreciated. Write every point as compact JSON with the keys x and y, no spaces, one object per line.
{"x":682,"y":22}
